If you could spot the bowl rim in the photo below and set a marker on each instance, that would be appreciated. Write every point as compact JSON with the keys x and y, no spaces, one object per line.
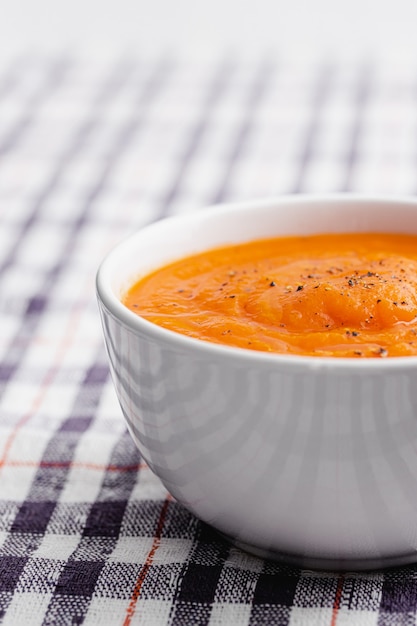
{"x":135,"y":323}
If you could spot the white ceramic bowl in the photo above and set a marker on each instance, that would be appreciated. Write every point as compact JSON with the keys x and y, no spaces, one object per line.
{"x":307,"y":459}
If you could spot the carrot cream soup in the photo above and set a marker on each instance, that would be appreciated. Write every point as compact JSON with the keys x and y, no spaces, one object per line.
{"x":339,"y":295}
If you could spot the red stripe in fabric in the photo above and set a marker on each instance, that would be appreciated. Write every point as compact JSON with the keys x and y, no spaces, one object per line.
{"x":337,"y":600}
{"x":149,"y":560}
{"x":66,"y":342}
{"x":75,"y":464}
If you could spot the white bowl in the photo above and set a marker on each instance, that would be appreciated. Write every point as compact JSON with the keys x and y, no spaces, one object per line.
{"x":306,"y":459}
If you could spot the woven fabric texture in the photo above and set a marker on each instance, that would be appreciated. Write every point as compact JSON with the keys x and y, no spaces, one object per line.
{"x":90,"y":152}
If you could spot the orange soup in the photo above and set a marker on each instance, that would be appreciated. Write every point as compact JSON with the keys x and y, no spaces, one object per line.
{"x":339,"y":295}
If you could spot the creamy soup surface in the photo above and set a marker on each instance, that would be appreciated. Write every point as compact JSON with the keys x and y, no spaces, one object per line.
{"x":338,"y":295}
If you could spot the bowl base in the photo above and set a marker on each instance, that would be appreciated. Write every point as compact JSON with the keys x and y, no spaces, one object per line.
{"x":326,"y":564}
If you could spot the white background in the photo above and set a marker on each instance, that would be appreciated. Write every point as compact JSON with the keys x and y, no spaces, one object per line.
{"x":384,"y":28}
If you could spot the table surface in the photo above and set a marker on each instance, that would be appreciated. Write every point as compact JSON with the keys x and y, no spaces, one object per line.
{"x":89,"y":152}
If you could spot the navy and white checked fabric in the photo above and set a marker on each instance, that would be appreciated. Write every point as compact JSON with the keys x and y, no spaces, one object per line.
{"x":90,"y":152}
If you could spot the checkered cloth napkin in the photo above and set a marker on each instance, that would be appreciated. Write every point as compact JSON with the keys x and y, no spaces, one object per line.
{"x":90,"y":152}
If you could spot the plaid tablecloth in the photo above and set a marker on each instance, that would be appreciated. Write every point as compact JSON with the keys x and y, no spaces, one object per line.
{"x":90,"y":152}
